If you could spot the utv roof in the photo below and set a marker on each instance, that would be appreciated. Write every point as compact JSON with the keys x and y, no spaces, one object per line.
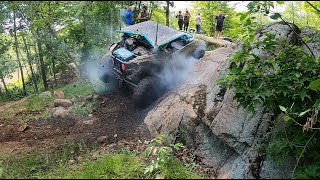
{"x":148,"y":30}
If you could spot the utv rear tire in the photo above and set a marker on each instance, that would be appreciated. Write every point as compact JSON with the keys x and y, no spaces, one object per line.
{"x":114,"y":84}
{"x":144,"y":93}
{"x":198,"y":53}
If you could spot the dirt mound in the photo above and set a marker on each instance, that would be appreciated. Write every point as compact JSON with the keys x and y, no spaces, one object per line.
{"x":116,"y":119}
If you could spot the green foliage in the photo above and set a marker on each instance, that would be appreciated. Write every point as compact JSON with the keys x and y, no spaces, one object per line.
{"x":285,"y":80}
{"x":275,"y":16}
{"x":208,"y":10}
{"x":78,"y":161}
{"x":301,"y":13}
{"x":124,"y":165}
{"x":161,"y":159}
{"x":37,"y":102}
{"x":37,"y":165}
{"x":291,"y":69}
{"x":84,"y":109}
{"x":79,"y":88}
{"x":315,"y":85}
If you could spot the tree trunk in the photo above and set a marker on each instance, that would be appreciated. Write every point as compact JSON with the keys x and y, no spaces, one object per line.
{"x":151,"y":8}
{"x":65,"y":50}
{"x":17,"y":53}
{"x":42,"y":65}
{"x":85,"y":49}
{"x":3,"y":82}
{"x":139,"y":6}
{"x":167,"y":13}
{"x":211,"y":40}
{"x":54,"y":71}
{"x":36,"y":59}
{"x":53,"y":54}
{"x":30,"y":64}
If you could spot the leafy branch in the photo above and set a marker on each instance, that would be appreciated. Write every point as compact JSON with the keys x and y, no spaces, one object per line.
{"x":296,"y":34}
{"x":313,"y":7}
{"x":304,"y":148}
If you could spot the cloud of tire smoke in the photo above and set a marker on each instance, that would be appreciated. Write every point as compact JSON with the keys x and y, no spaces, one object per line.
{"x":93,"y":69}
{"x":176,"y":72}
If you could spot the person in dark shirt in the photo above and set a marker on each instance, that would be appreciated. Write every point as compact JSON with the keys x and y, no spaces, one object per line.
{"x":180,"y":20}
{"x":129,"y":16}
{"x":186,"y":20}
{"x":144,"y":15}
{"x":219,"y":24}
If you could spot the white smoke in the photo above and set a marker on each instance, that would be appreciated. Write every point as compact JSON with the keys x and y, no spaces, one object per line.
{"x":176,"y":71}
{"x":95,"y":67}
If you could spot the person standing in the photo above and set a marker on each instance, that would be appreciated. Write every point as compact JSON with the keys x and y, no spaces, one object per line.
{"x":219,"y":24}
{"x":144,"y":15}
{"x":122,"y":15}
{"x":198,"y":23}
{"x":186,"y":20}
{"x":129,"y":16}
{"x":180,"y":20}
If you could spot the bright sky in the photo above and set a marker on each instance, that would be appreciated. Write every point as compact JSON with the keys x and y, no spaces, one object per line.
{"x":238,"y":5}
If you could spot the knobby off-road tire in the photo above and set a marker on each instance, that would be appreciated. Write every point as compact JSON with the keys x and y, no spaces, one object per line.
{"x":145,"y":92}
{"x":105,"y":71}
{"x":198,"y":53}
{"x":114,"y":84}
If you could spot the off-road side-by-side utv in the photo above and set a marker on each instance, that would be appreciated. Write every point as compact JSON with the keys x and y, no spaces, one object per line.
{"x":143,"y":51}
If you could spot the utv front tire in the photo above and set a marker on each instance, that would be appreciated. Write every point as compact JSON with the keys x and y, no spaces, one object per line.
{"x":104,"y":71}
{"x":198,"y":53}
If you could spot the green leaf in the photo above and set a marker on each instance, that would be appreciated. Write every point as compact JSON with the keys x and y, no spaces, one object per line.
{"x":315,"y":85}
{"x":283,"y":109}
{"x":317,"y":104}
{"x":303,"y":113}
{"x":275,"y":16}
{"x":148,"y":151}
{"x":242,"y":17}
{"x":280,"y":2}
{"x":306,"y":39}
{"x":151,"y":168}
{"x":230,"y":77}
{"x":248,"y":22}
{"x":303,"y":94}
{"x":146,"y":170}
{"x":286,"y":118}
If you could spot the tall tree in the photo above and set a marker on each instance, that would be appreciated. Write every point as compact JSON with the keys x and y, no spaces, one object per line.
{"x":168,"y":4}
{"x":16,"y":44}
{"x":42,"y":64}
{"x":3,"y":82}
{"x":26,"y":47}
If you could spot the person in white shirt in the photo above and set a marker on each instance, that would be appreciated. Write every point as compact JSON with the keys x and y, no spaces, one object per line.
{"x":198,"y":23}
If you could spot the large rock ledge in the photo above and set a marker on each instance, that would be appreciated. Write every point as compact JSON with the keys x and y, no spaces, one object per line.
{"x":225,"y":137}
{"x":185,"y":102}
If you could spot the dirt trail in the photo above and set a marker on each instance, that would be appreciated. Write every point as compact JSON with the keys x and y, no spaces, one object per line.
{"x":9,"y":104}
{"x":116,"y":119}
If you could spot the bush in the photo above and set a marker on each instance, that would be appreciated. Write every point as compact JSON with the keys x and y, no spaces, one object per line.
{"x":281,"y":81}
